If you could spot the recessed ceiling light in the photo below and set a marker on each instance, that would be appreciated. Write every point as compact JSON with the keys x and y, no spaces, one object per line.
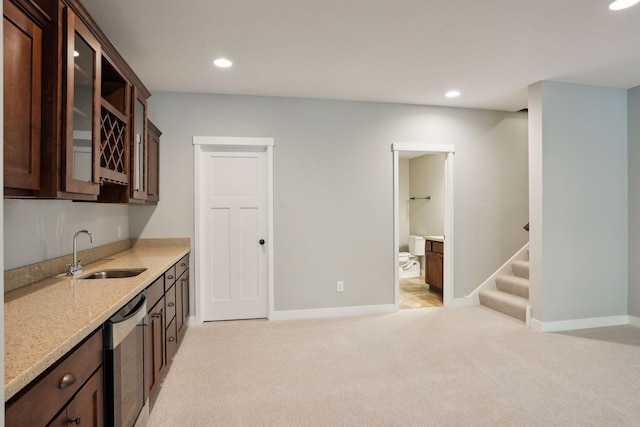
{"x":455,"y":93}
{"x":622,"y":4}
{"x":222,"y":63}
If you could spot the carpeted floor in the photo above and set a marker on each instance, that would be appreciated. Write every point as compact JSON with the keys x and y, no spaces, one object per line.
{"x":427,"y":367}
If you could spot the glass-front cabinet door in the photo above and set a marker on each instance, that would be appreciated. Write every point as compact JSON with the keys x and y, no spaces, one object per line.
{"x":82,"y":126}
{"x":139,"y":168}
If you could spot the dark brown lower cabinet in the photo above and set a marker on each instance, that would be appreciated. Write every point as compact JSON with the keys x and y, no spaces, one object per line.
{"x":169,"y":299}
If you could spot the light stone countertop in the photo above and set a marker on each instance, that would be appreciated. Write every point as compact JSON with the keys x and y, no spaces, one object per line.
{"x":45,"y":320}
{"x":434,"y":238}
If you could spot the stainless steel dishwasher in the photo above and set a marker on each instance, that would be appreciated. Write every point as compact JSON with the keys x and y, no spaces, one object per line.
{"x":125,"y":394}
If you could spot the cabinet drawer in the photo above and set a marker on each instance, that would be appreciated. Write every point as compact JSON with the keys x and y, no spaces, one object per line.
{"x":170,"y":301}
{"x":172,"y":340}
{"x":182,"y":266}
{"x":170,"y":277}
{"x":47,"y":395}
{"x":437,"y":247}
{"x":155,"y":291}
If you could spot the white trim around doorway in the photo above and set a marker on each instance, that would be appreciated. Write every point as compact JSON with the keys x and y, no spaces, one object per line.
{"x":425,"y":148}
{"x":234,"y":143}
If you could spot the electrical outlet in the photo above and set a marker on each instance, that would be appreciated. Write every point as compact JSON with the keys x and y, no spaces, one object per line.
{"x":340,"y":286}
{"x":119,"y":231}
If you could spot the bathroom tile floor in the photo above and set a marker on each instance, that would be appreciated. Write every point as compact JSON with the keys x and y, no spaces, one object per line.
{"x":414,"y":293}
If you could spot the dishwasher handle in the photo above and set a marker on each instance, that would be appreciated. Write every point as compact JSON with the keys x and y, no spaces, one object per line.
{"x":123,"y":323}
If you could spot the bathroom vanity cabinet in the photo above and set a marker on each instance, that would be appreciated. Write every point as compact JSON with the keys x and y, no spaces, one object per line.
{"x":434,"y":260}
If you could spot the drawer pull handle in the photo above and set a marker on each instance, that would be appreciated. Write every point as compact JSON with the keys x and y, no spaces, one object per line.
{"x":171,"y":339}
{"x":171,"y":304}
{"x":75,"y":421}
{"x":67,"y":380}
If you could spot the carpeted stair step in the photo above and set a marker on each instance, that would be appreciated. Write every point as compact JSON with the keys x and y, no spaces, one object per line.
{"x":520,"y":268}
{"x":505,"y":303}
{"x":514,"y":285}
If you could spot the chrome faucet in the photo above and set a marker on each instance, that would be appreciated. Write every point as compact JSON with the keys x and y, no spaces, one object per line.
{"x":76,"y":268}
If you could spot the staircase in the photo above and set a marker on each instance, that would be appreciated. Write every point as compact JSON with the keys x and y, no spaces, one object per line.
{"x":511,"y":293}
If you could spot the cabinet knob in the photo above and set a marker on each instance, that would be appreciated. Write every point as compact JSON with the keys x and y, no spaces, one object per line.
{"x":172,"y":339}
{"x":261,"y":241}
{"x":67,"y":380}
{"x":75,"y":421}
{"x":156,"y":315}
{"x":184,"y":264}
{"x":170,"y":277}
{"x":171,"y":304}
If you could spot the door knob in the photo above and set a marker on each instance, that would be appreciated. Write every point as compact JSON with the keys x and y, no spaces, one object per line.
{"x":261,"y":241}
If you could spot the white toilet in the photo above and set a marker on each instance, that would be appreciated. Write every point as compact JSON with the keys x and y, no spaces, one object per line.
{"x":408,"y":261}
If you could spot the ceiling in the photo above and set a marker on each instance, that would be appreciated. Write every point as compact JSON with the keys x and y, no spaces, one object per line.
{"x":399,"y":51}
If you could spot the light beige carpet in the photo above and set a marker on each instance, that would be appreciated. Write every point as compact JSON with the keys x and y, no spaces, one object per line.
{"x":424,"y":367}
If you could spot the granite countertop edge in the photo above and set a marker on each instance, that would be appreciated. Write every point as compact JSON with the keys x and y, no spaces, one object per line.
{"x":45,"y":320}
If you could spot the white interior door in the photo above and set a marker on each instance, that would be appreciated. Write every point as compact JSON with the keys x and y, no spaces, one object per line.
{"x":233,"y":227}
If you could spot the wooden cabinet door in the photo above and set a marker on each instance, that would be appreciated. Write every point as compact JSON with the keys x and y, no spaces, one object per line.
{"x":182,"y":303}
{"x":434,"y":270}
{"x":81,"y":148}
{"x":153,"y":153}
{"x":139,"y":148}
{"x":22,"y":43}
{"x":155,"y":348}
{"x":87,"y":408}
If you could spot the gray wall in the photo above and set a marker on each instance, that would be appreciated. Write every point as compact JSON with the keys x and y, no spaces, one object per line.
{"x":426,"y":178}
{"x":37,"y":230}
{"x":333,"y":187}
{"x":581,"y":202}
{"x":633,"y":102}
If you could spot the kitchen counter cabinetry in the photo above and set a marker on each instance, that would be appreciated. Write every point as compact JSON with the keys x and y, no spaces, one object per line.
{"x":169,"y":296}
{"x":434,"y":251}
{"x":70,"y":390}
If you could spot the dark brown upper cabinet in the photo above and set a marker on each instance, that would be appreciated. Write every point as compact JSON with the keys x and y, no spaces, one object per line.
{"x":23,"y":30}
{"x":74,"y":111}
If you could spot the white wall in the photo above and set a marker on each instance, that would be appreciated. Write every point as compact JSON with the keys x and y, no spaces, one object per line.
{"x":634,"y":200}
{"x":404,"y":206}
{"x":333,"y":187}
{"x":426,"y":175}
{"x":579,"y":208}
{"x":37,"y":230}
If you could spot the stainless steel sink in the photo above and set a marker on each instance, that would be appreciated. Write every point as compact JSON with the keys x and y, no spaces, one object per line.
{"x":115,"y":274}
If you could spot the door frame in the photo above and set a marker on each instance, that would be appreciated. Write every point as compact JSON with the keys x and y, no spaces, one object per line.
{"x":425,"y":148}
{"x":227,"y":143}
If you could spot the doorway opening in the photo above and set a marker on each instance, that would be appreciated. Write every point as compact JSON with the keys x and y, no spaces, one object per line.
{"x":423,"y":224}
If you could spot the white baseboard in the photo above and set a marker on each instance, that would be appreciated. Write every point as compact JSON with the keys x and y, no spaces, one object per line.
{"x":634,"y":321}
{"x":193,"y":321}
{"x":569,"y":325}
{"x":318,"y":313}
